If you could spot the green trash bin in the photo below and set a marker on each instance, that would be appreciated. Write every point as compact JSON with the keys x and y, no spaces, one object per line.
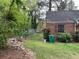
{"x":51,"y":38}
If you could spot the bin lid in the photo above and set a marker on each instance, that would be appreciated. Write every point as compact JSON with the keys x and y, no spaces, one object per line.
{"x":51,"y":35}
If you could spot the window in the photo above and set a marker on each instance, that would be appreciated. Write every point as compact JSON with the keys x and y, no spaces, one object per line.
{"x":61,"y":28}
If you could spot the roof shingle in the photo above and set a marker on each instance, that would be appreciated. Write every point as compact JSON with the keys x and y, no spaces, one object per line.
{"x":62,"y":15}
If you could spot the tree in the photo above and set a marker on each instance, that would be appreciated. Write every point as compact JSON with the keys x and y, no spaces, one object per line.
{"x":19,"y":4}
{"x":34,"y":14}
{"x":50,"y":5}
{"x":59,"y":4}
{"x":71,"y":5}
{"x":63,"y":4}
{"x":14,"y":18}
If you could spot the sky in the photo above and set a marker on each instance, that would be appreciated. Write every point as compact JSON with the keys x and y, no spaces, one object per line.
{"x":76,"y":3}
{"x":43,"y":11}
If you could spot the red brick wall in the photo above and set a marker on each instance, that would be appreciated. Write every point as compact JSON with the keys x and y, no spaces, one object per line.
{"x":69,"y":27}
{"x":53,"y":27}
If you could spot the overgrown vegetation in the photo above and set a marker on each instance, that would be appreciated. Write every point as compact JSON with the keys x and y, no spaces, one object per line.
{"x":51,"y":51}
{"x":2,"y":41}
{"x":75,"y":36}
{"x":64,"y":37}
{"x":14,"y":19}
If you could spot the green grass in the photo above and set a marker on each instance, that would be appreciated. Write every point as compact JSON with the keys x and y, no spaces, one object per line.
{"x":52,"y":51}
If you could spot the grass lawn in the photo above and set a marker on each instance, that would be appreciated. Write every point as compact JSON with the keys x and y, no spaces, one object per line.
{"x":52,"y":51}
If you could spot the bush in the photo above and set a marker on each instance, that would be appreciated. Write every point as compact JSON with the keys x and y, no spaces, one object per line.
{"x":3,"y":41}
{"x":75,"y":36}
{"x":64,"y":37}
{"x":46,"y":34}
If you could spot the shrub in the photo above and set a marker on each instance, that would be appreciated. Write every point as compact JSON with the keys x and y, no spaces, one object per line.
{"x":46,"y":34}
{"x":64,"y":37}
{"x":2,"y":41}
{"x":75,"y":36}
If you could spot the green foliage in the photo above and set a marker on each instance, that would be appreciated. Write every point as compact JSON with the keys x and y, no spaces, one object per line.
{"x":13,"y":19}
{"x":10,"y":17}
{"x":46,"y":33}
{"x":75,"y":36}
{"x":16,"y":21}
{"x":34,"y":24}
{"x":64,"y":37}
{"x":36,"y":37}
{"x":2,"y":41}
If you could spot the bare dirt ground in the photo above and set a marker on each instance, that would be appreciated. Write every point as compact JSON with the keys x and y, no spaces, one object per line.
{"x":16,"y":53}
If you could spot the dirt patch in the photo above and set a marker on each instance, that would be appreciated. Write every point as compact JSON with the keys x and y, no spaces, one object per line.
{"x":16,"y":52}
{"x":12,"y":53}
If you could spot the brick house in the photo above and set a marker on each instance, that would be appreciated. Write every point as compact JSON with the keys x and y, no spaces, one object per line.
{"x":62,"y":21}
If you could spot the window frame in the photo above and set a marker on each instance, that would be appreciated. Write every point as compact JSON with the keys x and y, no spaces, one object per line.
{"x":61,"y":28}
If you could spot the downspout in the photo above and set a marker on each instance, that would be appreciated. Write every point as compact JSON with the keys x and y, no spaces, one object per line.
{"x":76,"y":22}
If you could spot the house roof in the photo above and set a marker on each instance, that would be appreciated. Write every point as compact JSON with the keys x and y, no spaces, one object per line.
{"x":63,"y":16}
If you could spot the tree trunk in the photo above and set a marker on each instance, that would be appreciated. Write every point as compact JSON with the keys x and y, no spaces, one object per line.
{"x":50,"y":5}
